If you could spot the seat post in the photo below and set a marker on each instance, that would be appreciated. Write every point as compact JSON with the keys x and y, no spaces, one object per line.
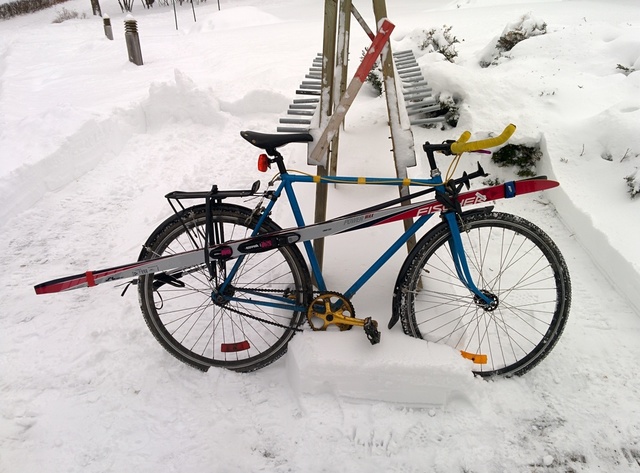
{"x":278,"y":159}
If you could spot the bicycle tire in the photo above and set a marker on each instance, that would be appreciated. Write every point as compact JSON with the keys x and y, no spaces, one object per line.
{"x":186,"y":321}
{"x":508,"y":257}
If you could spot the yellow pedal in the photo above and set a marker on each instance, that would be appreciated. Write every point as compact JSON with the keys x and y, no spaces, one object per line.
{"x":475,"y":357}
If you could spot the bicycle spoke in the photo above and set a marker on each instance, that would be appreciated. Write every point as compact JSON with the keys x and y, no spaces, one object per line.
{"x":204,"y":327}
{"x":514,"y":264}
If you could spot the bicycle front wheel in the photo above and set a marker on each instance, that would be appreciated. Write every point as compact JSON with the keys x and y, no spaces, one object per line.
{"x":512,"y":261}
{"x":242,"y":334}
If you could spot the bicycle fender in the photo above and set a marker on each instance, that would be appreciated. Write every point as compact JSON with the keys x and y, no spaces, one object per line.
{"x":395,"y":310}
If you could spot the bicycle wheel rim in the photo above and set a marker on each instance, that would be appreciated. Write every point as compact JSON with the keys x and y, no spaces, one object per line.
{"x":510,"y":259}
{"x":202,"y":333}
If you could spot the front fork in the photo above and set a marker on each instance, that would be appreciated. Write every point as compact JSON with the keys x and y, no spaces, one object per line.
{"x":460,"y":262}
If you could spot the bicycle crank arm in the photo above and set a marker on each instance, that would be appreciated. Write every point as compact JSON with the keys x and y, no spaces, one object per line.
{"x":369,"y":325}
{"x":341,"y":319}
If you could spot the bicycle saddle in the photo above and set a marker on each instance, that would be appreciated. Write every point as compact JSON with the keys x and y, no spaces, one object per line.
{"x":269,"y":141}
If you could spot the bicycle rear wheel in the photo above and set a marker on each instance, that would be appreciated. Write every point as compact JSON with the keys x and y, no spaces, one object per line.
{"x":511,"y":260}
{"x":240,"y":335}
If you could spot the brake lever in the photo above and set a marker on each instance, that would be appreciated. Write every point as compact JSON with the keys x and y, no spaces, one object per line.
{"x":466,"y":179}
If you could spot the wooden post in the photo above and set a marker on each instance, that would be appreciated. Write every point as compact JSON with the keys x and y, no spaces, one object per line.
{"x":336,"y":98}
{"x":342,"y":62}
{"x":401,"y":138}
{"x":364,"y":25}
{"x":321,"y":144}
{"x":326,"y":109}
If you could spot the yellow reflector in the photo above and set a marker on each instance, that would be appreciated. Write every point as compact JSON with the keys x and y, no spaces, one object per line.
{"x":476,"y":358}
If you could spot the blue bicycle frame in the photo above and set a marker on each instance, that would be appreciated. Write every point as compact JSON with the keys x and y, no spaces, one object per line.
{"x":448,"y":201}
{"x":286,"y":184}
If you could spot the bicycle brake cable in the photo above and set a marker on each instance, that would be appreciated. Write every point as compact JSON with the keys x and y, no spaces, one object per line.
{"x":453,"y":165}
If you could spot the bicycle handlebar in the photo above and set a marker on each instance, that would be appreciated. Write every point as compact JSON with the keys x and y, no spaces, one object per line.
{"x":461,"y":146}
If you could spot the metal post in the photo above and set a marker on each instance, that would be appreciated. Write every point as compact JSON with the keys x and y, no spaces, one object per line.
{"x":95,"y":6}
{"x":133,"y":40}
{"x":108,"y":31}
{"x":175,"y":14}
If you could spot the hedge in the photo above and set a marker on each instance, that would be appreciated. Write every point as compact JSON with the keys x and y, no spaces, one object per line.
{"x":23,"y":7}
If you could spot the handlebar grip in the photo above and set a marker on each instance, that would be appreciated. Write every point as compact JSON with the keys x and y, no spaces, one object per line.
{"x":464,"y":137}
{"x":461,"y":146}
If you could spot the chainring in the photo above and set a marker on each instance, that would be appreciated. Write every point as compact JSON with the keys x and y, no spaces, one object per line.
{"x":322,"y":311}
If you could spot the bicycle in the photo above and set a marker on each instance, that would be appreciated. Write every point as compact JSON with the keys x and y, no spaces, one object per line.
{"x":223,"y":285}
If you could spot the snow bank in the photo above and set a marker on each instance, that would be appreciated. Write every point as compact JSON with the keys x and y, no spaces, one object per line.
{"x":400,"y":370}
{"x":99,"y":140}
{"x":234,"y":18}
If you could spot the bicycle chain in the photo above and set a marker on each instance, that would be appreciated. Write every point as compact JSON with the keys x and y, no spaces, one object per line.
{"x":265,"y":321}
{"x":269,"y":322}
{"x":370,"y":327}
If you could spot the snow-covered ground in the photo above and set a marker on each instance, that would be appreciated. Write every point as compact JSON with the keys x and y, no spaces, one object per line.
{"x":90,"y":143}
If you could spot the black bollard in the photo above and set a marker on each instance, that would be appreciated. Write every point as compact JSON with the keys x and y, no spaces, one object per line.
{"x":108,"y":31}
{"x":133,"y":40}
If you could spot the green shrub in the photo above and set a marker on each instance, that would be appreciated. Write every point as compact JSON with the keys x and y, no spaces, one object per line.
{"x":65,"y":15}
{"x":625,"y":70}
{"x":633,"y":185}
{"x":374,"y":78}
{"x":23,"y":7}
{"x":449,"y":109}
{"x":523,"y":157}
{"x":491,"y":181}
{"x":508,"y":40}
{"x":526,"y":27}
{"x":440,"y":41}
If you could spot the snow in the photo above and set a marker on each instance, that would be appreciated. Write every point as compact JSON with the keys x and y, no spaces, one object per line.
{"x":90,"y":143}
{"x":449,"y":377}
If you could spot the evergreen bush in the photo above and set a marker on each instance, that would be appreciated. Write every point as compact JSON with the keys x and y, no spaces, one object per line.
{"x":526,"y":27}
{"x":523,"y":157}
{"x":65,"y":15}
{"x":440,"y":41}
{"x":633,"y":185}
{"x":449,"y":109}
{"x":374,"y":78}
{"x":24,"y":7}
{"x":625,"y":70}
